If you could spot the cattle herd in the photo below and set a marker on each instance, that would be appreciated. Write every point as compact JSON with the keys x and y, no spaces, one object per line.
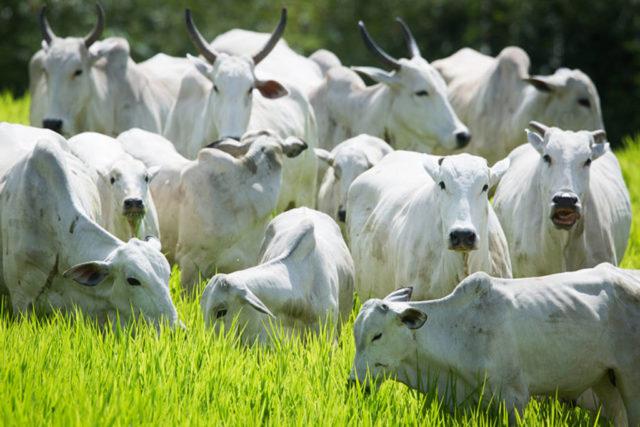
{"x":215,"y":163}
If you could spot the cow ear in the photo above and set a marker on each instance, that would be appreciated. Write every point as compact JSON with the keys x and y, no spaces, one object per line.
{"x":536,"y":140}
{"x":103,"y":48}
{"x":251,"y":299}
{"x":542,"y":83}
{"x":203,"y":67}
{"x":154,"y":242}
{"x":497,"y":171}
{"x":88,"y":273}
{"x":293,"y":146}
{"x":378,"y":75}
{"x":400,"y":295}
{"x":324,"y":156}
{"x":412,"y":318}
{"x":152,"y":172}
{"x":271,"y":89}
{"x":432,"y":166}
{"x":598,"y":150}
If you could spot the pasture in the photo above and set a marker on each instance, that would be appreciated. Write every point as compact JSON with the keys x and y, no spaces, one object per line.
{"x":58,"y":372}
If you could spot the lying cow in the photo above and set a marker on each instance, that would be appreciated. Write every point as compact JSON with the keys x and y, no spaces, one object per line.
{"x":213,"y":210}
{"x":496,"y":98}
{"x":563,"y":204}
{"x":304,"y":279}
{"x":83,"y":84}
{"x":123,"y":182}
{"x":344,"y":164}
{"x":55,"y":256}
{"x":557,"y":335}
{"x":424,"y":221}
{"x":408,"y":107}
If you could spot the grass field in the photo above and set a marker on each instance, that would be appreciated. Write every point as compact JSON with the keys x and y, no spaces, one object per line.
{"x":68,"y":373}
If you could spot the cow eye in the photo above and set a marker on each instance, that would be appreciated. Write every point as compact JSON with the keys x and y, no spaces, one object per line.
{"x":485,"y":188}
{"x":215,"y":88}
{"x":376,"y":337}
{"x":547,"y":158}
{"x":77,"y":73}
{"x":422,"y":93}
{"x":146,"y":178}
{"x":441,"y":184}
{"x":250,"y":91}
{"x":588,"y":162}
{"x":133,"y":282}
{"x":113,"y":180}
{"x":584,"y":102}
{"x":221,"y":313}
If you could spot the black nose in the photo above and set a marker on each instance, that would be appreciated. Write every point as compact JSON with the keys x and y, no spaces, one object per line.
{"x":462,"y":239}
{"x":132,"y":203}
{"x":565,"y":200}
{"x":342,"y":215}
{"x":53,"y":124}
{"x":462,"y":138}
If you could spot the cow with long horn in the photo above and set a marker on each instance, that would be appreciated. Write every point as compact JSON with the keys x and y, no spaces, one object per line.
{"x":222,"y":97}
{"x":82,"y":84}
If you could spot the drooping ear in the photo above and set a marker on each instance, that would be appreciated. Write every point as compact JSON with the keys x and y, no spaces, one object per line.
{"x":536,"y":140}
{"x":542,"y":83}
{"x":231,"y":146}
{"x":271,"y":89}
{"x":324,"y":156}
{"x":378,"y":75}
{"x":88,"y":273}
{"x":154,"y":242}
{"x":293,"y":146}
{"x":412,"y":318}
{"x":203,"y":67}
{"x":400,"y":295}
{"x":497,"y":171}
{"x":432,"y":166}
{"x":305,"y":241}
{"x":251,"y":299}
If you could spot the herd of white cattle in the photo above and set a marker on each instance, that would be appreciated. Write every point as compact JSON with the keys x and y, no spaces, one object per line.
{"x":215,"y":163}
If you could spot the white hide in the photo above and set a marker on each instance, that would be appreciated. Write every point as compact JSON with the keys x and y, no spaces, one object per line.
{"x":304,"y":279}
{"x":325,"y":60}
{"x":406,"y":216}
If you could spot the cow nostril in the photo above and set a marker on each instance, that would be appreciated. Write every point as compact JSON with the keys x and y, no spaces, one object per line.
{"x":565,"y":200}
{"x":462,"y":138}
{"x":462,"y":238}
{"x":52,"y":124}
{"x":133,"y":204}
{"x":342,"y":215}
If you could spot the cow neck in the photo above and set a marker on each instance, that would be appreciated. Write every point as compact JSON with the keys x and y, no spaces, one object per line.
{"x":103,"y":107}
{"x":368,"y":106}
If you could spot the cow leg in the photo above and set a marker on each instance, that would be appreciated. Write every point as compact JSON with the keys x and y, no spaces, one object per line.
{"x":628,"y":382}
{"x":606,"y":395}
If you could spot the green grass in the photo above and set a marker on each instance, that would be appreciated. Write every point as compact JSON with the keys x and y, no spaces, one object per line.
{"x":55,"y":371}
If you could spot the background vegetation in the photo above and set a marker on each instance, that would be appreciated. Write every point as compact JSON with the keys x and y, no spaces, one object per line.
{"x":600,"y":37}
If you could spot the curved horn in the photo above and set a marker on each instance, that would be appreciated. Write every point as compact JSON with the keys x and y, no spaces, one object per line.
{"x":200,"y":43}
{"x":376,"y":50}
{"x":95,"y":34}
{"x":47,"y":33}
{"x":538,"y":127}
{"x":273,"y":40}
{"x":414,"y":50}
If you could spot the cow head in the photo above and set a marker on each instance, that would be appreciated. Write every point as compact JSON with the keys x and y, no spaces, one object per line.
{"x":66,"y":68}
{"x":570,"y":100}
{"x":384,"y":335}
{"x":420,"y":107}
{"x":463,"y":182}
{"x":227,"y":303}
{"x":133,"y":279}
{"x":233,"y":80}
{"x":565,"y":162}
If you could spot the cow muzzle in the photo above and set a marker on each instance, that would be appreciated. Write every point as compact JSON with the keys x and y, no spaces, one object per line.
{"x":53,"y":124}
{"x":463,"y":240}
{"x":565,"y":210}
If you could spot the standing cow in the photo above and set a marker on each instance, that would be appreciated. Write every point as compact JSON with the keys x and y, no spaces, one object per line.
{"x":408,"y":107}
{"x":419,"y":220}
{"x":557,"y":335}
{"x":563,"y":204}
{"x":304,"y":279}
{"x":213,"y":210}
{"x":82,"y":84}
{"x":496,"y":98}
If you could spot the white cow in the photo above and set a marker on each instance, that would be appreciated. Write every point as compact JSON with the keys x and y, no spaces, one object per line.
{"x":82,"y":84}
{"x":217,"y":101}
{"x":304,"y":279}
{"x":325,"y":60}
{"x":496,"y":98}
{"x":213,"y":210}
{"x":123,"y":182}
{"x":563,"y":204}
{"x":557,"y":335}
{"x":419,"y":220}
{"x":347,"y":161}
{"x":55,"y":256}
{"x":408,"y":107}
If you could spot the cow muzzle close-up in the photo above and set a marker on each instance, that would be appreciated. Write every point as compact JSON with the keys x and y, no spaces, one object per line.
{"x":463,"y":240}
{"x":565,"y":210}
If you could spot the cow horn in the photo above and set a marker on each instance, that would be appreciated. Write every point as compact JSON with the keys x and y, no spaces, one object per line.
{"x":200,"y":43}
{"x":599,"y":136}
{"x":273,"y":40}
{"x":414,"y":50}
{"x":538,"y":127}
{"x":47,"y":33}
{"x":376,"y":50}
{"x":95,"y":34}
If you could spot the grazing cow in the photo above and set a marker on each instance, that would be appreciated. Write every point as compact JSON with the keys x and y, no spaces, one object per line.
{"x":55,"y":256}
{"x":213,"y":210}
{"x":216,"y":101}
{"x":496,"y":98}
{"x":123,"y":182}
{"x":416,"y":219}
{"x":557,"y":335}
{"x":563,"y":204}
{"x":304,"y":279}
{"x":82,"y":84}
{"x":408,"y":107}
{"x":345,"y":163}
